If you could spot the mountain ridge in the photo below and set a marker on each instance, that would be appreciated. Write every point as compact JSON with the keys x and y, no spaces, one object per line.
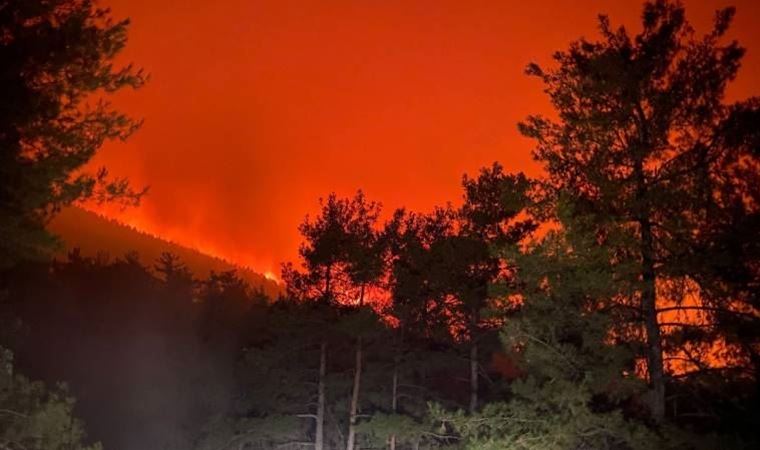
{"x":95,"y":234}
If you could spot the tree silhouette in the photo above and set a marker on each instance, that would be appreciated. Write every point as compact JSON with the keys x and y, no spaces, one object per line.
{"x":55,"y":56}
{"x":336,"y":252}
{"x":488,"y":217}
{"x":343,"y":258}
{"x":56,"y":60}
{"x":638,"y":150}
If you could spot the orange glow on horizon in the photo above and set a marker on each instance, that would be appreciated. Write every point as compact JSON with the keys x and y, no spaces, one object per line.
{"x":189,"y":241}
{"x":255,"y":109}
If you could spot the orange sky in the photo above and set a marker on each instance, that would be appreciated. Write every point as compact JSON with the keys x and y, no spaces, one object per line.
{"x":255,"y":109}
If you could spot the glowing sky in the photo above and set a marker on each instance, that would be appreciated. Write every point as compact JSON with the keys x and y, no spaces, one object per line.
{"x":255,"y":109}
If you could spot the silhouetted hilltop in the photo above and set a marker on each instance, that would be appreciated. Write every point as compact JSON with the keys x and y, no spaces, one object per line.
{"x":94,"y":234}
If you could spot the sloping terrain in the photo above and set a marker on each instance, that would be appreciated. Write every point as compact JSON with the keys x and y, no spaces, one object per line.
{"x":93,"y":234}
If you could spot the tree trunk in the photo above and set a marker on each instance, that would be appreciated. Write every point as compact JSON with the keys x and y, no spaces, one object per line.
{"x":394,"y":399}
{"x":649,"y":308}
{"x":474,"y":362}
{"x":320,"y":431}
{"x":473,"y":377}
{"x":649,"y":289}
{"x":354,"y":407}
{"x":355,"y":397}
{"x":328,"y":276}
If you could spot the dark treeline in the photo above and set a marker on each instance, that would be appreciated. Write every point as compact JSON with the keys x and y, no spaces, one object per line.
{"x":609,"y":304}
{"x":148,"y":351}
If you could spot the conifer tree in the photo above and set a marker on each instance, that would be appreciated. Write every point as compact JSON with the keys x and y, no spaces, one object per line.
{"x":488,"y":217}
{"x":343,"y":260}
{"x":56,"y":61}
{"x":56,"y":64}
{"x":638,"y":152}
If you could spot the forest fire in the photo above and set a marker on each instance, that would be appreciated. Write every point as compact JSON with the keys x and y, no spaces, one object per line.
{"x":287,"y":104}
{"x":596,"y":287}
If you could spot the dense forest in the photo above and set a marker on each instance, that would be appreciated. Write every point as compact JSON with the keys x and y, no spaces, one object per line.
{"x":610,"y":303}
{"x":93,"y":234}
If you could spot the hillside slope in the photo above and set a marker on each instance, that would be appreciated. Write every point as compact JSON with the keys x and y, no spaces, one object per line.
{"x":94,"y":234}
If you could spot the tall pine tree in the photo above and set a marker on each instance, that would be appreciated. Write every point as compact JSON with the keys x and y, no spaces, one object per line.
{"x":637,"y":150}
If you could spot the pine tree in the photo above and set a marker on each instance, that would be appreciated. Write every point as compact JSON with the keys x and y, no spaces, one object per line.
{"x":285,"y":372}
{"x":56,"y":60}
{"x":638,"y":149}
{"x":488,"y":217}
{"x":343,"y":260}
{"x":577,"y":387}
